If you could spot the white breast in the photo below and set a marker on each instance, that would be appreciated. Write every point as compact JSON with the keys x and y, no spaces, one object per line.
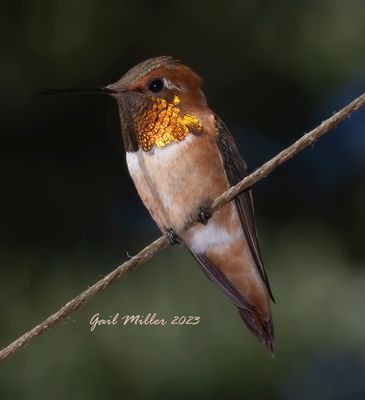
{"x":159,"y":157}
{"x":162,"y":177}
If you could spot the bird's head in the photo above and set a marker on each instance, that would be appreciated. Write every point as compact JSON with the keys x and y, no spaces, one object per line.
{"x":160,"y":101}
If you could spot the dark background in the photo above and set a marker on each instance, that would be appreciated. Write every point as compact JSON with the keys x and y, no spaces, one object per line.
{"x":70,"y":214}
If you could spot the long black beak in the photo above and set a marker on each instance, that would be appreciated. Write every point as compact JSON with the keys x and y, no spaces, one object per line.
{"x":98,"y":90}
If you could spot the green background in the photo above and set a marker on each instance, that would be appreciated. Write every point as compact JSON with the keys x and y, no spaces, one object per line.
{"x":69,"y":212}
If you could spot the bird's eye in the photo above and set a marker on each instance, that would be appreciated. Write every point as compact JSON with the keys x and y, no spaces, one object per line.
{"x":156,"y":85}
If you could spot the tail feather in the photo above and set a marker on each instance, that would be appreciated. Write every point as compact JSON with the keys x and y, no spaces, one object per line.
{"x":261,"y":327}
{"x":263,"y":330}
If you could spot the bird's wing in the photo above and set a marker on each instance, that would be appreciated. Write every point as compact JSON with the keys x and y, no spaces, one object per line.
{"x":215,"y":275}
{"x":236,"y":170}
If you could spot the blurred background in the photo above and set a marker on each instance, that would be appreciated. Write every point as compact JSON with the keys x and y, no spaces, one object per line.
{"x":70,"y":213}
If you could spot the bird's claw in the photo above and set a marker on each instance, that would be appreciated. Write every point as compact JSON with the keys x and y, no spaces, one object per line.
{"x":172,"y":237}
{"x":204,"y":215}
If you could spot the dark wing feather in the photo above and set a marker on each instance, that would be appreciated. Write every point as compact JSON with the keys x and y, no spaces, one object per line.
{"x":236,"y":170}
{"x":215,"y":275}
{"x":261,"y":328}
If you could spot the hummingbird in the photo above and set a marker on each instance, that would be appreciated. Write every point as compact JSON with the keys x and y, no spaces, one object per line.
{"x":181,"y":156}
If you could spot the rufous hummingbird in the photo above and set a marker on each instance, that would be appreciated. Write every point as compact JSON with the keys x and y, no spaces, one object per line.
{"x":181,"y":156}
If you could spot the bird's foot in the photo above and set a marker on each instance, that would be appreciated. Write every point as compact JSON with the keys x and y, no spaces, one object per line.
{"x":204,"y":215}
{"x":172,"y":237}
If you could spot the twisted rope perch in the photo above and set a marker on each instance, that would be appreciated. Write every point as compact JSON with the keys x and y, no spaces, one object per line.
{"x":162,"y":242}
